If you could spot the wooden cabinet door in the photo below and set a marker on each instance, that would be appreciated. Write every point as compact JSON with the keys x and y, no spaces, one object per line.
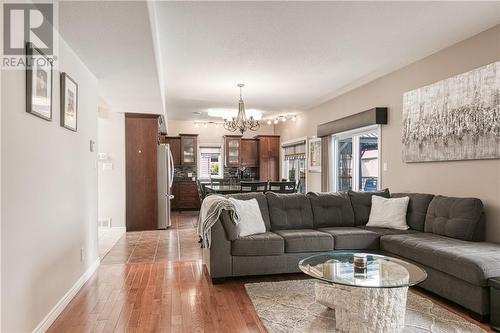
{"x":274,"y":158}
{"x":269,"y":155}
{"x":188,"y":149}
{"x":141,"y":145}
{"x":175,"y":192}
{"x":175,"y":149}
{"x":232,"y":148}
{"x":188,"y":195}
{"x":249,"y":152}
{"x":264,"y":159}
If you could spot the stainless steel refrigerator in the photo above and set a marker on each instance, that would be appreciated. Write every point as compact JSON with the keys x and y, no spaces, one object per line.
{"x":165,"y":181}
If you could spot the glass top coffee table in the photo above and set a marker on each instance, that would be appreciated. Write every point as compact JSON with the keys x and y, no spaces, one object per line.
{"x":368,"y":291}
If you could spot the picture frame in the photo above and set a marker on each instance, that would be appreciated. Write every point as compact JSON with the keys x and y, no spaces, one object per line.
{"x":38,"y":83}
{"x":314,"y":155}
{"x":69,"y":102}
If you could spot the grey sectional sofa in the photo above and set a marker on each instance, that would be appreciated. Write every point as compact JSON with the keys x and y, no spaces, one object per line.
{"x":445,"y":238}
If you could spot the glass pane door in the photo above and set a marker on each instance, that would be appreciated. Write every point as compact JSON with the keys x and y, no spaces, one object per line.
{"x":356,"y":160}
{"x":368,"y":162}
{"x":344,"y":164}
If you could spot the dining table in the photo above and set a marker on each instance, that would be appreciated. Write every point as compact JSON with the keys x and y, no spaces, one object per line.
{"x":222,"y":189}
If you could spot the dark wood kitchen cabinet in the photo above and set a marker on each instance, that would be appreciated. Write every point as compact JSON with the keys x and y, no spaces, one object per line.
{"x":269,"y":157}
{"x":175,"y":148}
{"x":249,"y":152}
{"x":232,"y":149}
{"x":185,"y":195}
{"x":189,"y":148}
{"x":141,"y":146}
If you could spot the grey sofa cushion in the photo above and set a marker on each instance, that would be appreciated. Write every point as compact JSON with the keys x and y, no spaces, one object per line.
{"x":351,"y":238}
{"x":417,"y":208}
{"x":469,"y":261}
{"x":331,"y":209}
{"x":289,"y":211}
{"x":306,"y":240}
{"x":266,"y":244}
{"x":362,"y":204}
{"x":461,"y":218}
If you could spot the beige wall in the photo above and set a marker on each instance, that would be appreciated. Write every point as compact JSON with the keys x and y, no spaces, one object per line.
{"x":49,"y":197}
{"x":458,"y":178}
{"x":211,"y":135}
{"x":111,"y":183}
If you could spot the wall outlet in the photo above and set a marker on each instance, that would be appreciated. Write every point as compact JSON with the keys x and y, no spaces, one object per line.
{"x":385,"y":166}
{"x":104,"y":223}
{"x":82,"y":254}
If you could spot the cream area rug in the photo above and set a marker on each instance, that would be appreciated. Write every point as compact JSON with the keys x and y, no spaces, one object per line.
{"x":289,"y":306}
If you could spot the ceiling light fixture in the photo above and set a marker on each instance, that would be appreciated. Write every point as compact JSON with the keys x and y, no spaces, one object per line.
{"x":241,"y":122}
{"x":276,"y":121}
{"x":269,"y":122}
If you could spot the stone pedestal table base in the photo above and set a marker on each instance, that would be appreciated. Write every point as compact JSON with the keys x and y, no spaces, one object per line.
{"x":364,"y":310}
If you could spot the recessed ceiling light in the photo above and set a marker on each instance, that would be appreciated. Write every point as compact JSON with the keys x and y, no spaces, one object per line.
{"x":283,"y":119}
{"x":275,"y":121}
{"x":269,"y":122}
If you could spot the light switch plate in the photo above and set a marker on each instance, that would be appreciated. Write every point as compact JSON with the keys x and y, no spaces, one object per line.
{"x":107,"y":166}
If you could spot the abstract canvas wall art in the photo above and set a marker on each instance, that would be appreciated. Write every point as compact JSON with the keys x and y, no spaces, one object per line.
{"x":454,"y":119}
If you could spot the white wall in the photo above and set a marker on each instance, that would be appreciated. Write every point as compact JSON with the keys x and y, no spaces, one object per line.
{"x":479,"y":178}
{"x":111,"y":183}
{"x":48,"y":197}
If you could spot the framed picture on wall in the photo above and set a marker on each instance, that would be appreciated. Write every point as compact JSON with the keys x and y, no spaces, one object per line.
{"x":315,"y":155}
{"x":69,"y":102}
{"x":38,"y":83}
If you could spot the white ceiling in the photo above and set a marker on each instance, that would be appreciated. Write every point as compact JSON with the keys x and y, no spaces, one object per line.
{"x":294,"y":55}
{"x":290,"y":55}
{"x":114,"y":39}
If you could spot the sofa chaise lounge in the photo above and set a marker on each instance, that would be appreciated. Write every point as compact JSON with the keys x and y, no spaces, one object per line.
{"x":446,"y":238}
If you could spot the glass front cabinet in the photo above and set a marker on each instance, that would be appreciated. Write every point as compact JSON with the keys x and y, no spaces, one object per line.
{"x":232,"y":149}
{"x":189,"y":143}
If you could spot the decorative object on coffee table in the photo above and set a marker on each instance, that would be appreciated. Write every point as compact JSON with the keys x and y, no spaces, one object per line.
{"x":454,"y":119}
{"x":354,"y":296}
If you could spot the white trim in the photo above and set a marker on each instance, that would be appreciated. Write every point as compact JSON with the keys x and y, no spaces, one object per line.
{"x":64,"y":301}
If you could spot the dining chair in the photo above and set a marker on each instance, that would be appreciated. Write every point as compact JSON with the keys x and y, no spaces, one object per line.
{"x":283,"y":187}
{"x":201,"y":190}
{"x":253,"y":186}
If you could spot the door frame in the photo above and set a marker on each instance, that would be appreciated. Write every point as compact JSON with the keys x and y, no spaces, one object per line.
{"x":354,"y":134}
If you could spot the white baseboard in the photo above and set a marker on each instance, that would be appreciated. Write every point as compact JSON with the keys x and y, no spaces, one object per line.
{"x":64,"y":301}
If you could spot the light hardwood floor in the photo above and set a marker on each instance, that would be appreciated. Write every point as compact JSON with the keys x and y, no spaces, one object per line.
{"x":154,"y":281}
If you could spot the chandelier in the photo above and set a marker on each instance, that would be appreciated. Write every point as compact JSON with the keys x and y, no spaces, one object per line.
{"x":241,"y":122}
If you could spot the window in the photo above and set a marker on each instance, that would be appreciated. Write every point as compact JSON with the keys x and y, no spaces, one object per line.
{"x":210,"y":163}
{"x":356,"y":160}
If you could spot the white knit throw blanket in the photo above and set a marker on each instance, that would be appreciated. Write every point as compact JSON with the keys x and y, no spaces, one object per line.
{"x":211,"y":208}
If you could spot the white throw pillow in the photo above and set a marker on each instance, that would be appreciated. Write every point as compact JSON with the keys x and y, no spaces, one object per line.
{"x":389,"y":213}
{"x":251,"y":221}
